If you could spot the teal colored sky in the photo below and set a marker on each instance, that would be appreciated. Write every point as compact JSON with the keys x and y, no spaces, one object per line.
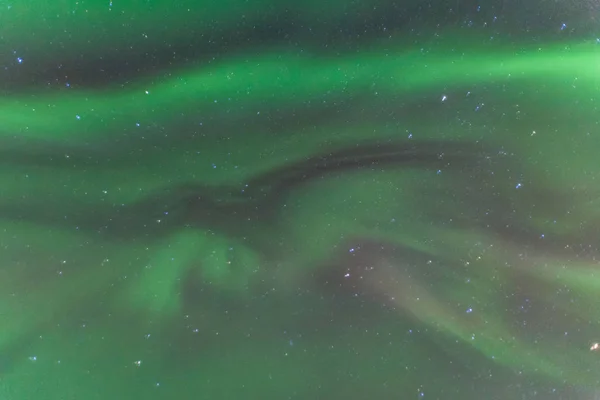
{"x":271,"y":200}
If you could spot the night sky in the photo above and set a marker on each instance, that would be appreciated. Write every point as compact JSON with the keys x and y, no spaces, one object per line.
{"x":265,"y":199}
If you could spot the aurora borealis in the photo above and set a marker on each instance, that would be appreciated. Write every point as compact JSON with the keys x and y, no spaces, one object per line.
{"x":316,"y":200}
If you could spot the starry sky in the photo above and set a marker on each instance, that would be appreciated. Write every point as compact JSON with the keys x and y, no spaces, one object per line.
{"x":267,"y":199}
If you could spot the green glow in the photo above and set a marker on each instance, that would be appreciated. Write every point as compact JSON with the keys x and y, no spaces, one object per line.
{"x":133,"y":220}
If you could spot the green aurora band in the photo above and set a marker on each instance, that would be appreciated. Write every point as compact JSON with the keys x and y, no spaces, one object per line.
{"x":154,"y":220}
